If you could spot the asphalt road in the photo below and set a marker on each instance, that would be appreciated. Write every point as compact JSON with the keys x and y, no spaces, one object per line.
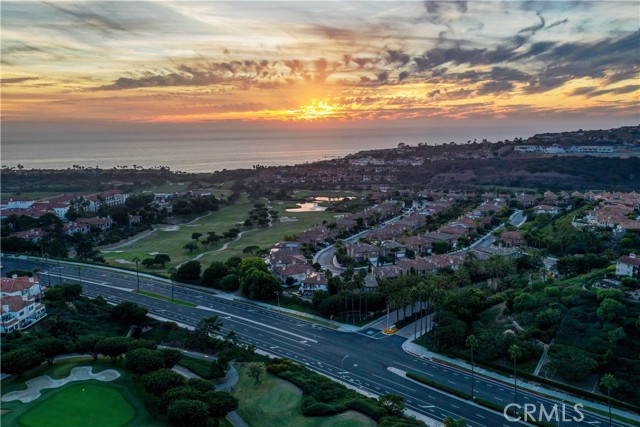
{"x":358,"y":359}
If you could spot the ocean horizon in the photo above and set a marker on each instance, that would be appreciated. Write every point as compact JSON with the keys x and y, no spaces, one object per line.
{"x":207,"y":149}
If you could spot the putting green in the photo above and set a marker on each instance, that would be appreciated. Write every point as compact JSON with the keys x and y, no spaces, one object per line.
{"x":80,"y":405}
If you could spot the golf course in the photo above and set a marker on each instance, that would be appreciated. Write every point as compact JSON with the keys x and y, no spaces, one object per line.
{"x":77,"y":403}
{"x":80,"y":405}
{"x":171,"y":239}
{"x":276,"y":402}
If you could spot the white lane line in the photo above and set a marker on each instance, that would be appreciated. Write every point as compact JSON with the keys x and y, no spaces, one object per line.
{"x":393,"y":382}
{"x":257,"y":323}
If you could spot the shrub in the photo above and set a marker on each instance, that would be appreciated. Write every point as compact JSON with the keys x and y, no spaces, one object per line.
{"x":368,"y":407}
{"x":178,"y":393}
{"x":188,"y":413}
{"x":143,"y":360}
{"x":158,"y":382}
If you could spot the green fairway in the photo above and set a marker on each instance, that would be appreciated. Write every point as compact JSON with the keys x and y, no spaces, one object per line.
{"x":275,"y":402}
{"x":81,"y":405}
{"x":127,"y":388}
{"x":171,"y":239}
{"x":265,"y":238}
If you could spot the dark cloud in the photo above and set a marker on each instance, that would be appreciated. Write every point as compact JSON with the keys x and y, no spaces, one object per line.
{"x":403,"y":75}
{"x":495,"y":87}
{"x":433,"y":93}
{"x":17,"y":80}
{"x":335,"y":33}
{"x":363,"y":62}
{"x":296,"y":66}
{"x":591,"y":92}
{"x":382,"y":77}
{"x":243,"y":74}
{"x":475,"y":56}
{"x":534,"y":28}
{"x":582,"y":90}
{"x":613,"y":60}
{"x":15,"y":49}
{"x":90,"y":19}
{"x":396,"y":56}
{"x":461,"y":5}
{"x":432,"y":7}
{"x":557,"y":63}
{"x":436,"y":9}
{"x":555,"y":24}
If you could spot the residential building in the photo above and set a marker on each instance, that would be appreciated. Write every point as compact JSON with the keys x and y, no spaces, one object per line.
{"x":546,"y":209}
{"x":20,"y":301}
{"x":316,"y":281}
{"x":34,"y":234}
{"x":628,"y":265}
{"x":512,"y":239}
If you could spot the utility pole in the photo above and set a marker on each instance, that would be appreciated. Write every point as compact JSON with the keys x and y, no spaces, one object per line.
{"x":172,"y":271}
{"x":278,"y":295}
{"x":59,"y":274}
{"x":137,"y":260}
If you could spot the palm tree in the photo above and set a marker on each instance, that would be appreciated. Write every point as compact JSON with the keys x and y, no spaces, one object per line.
{"x":610,"y":382}
{"x":438,"y":296}
{"x":515,"y":352}
{"x":472,"y":342}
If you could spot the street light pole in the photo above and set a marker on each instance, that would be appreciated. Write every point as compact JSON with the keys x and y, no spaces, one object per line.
{"x":137,"y":260}
{"x":59,"y":274}
{"x":171,"y":272}
{"x":278,"y":295}
{"x":80,"y":275}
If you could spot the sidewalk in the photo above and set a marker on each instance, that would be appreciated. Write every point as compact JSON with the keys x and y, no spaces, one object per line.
{"x":421,"y":352}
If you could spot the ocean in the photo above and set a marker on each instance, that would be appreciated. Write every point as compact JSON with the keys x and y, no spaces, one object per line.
{"x":202,"y":148}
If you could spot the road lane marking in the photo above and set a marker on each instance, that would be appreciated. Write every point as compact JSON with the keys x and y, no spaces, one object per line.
{"x":257,"y":323}
{"x":393,"y":382}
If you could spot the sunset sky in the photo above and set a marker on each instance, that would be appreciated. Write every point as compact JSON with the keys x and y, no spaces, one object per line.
{"x":299,"y":62}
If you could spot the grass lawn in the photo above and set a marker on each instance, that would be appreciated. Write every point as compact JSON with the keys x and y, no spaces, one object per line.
{"x":197,"y":366}
{"x":127,"y":388}
{"x":79,"y":405}
{"x":32,"y":195}
{"x":268,"y":236}
{"x":335,"y":194}
{"x":171,"y":240}
{"x":162,"y":297}
{"x":275,"y":402}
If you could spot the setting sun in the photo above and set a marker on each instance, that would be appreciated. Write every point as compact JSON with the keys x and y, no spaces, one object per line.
{"x":317,"y":109}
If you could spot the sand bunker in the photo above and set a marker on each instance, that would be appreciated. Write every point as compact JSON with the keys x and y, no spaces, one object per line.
{"x":35,"y":385}
{"x":170,"y":228}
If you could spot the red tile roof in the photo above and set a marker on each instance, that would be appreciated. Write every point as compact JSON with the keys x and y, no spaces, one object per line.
{"x":11,"y":285}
